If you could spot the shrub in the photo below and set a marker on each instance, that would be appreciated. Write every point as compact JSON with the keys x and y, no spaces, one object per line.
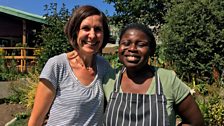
{"x":8,"y":70}
{"x":212,"y":106}
{"x":23,"y":90}
{"x":32,"y":80}
{"x":213,"y":111}
{"x":192,"y":37}
{"x":54,"y":39}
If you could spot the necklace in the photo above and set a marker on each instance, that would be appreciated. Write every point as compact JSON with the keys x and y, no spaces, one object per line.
{"x":76,"y":55}
{"x":81,"y":64}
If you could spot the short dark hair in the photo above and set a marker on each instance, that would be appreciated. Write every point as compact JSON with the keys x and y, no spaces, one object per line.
{"x":74,"y":22}
{"x":146,"y":30}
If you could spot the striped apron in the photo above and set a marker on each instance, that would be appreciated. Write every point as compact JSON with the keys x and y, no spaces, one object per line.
{"x":128,"y":109}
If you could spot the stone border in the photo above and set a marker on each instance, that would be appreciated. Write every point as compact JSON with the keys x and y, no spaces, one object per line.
{"x":11,"y":121}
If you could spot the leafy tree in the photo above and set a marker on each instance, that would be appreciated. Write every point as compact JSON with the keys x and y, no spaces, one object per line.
{"x":52,"y":35}
{"x":193,"y":37}
{"x":150,"y":12}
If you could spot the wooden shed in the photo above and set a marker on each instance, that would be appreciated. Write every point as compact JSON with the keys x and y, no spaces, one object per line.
{"x":17,"y":35}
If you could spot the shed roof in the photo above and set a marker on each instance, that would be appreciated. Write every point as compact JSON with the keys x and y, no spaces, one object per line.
{"x":22,"y":14}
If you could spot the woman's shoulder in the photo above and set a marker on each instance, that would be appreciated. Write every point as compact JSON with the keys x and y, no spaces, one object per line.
{"x":166,"y":76}
{"x":170,"y":79}
{"x":58,"y":58}
{"x":164,"y":72}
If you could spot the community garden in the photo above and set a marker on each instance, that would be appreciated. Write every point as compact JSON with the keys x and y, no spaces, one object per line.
{"x":190,"y":37}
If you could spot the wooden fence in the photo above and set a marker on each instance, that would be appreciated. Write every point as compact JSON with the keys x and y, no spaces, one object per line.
{"x":20,"y":54}
{"x":26,"y":56}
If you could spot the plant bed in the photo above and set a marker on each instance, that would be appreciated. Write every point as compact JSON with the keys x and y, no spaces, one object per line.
{"x":8,"y":111}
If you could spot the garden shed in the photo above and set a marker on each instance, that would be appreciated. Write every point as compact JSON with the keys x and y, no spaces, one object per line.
{"x":17,"y":35}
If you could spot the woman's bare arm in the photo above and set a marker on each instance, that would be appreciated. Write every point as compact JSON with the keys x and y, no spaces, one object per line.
{"x":43,"y":99}
{"x":189,"y":112}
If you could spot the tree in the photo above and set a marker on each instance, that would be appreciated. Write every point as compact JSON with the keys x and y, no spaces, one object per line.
{"x":52,"y":34}
{"x":193,"y":37}
{"x":150,"y":12}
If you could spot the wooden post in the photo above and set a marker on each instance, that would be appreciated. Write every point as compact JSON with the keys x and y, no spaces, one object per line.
{"x":23,"y":52}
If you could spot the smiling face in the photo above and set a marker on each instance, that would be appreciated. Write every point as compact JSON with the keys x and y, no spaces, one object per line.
{"x":90,"y":35}
{"x":134,"y":49}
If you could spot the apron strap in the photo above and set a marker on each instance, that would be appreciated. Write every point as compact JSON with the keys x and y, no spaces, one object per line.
{"x":118,"y":80}
{"x":159,"y":88}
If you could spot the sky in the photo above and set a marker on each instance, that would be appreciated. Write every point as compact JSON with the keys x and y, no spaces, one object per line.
{"x":37,"y":6}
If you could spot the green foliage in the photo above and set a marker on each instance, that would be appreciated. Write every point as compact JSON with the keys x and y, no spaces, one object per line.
{"x":202,"y":89}
{"x":147,"y":12}
{"x":20,"y":122}
{"x":216,"y":115}
{"x":23,"y":90}
{"x":113,"y":59}
{"x":213,"y":111}
{"x":193,"y":37}
{"x":8,"y":70}
{"x":32,"y":81}
{"x":18,"y":89}
{"x":210,"y":103}
{"x":54,"y":39}
{"x":22,"y":115}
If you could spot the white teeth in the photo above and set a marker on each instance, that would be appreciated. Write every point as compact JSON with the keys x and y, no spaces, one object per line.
{"x":132,"y":58}
{"x":90,"y":43}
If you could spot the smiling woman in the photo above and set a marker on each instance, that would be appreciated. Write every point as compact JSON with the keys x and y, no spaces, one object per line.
{"x":70,"y":86}
{"x":90,"y":35}
{"x":144,"y":94}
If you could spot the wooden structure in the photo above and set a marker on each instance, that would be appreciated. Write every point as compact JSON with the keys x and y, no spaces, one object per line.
{"x":17,"y":35}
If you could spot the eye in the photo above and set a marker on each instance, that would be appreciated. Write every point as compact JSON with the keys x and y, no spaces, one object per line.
{"x":125,"y":43}
{"x":98,"y":29}
{"x":142,"y":44}
{"x":85,"y":28}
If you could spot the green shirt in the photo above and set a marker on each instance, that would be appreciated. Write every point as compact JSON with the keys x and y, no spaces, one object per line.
{"x":173,"y":88}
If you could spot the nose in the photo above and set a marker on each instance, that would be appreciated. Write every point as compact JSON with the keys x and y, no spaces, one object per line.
{"x":92,"y":33}
{"x":132,"y":47}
